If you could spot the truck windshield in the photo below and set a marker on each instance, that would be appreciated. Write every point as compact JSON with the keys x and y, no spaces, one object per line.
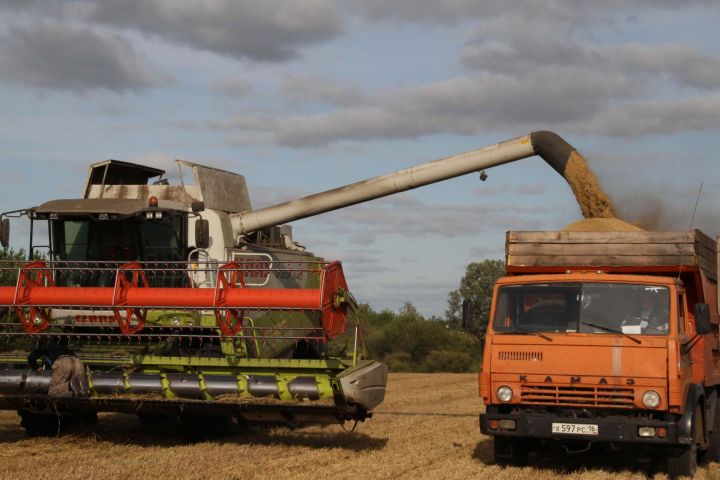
{"x":583,"y":307}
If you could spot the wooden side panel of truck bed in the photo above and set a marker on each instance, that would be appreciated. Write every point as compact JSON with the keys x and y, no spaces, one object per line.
{"x":612,"y":249}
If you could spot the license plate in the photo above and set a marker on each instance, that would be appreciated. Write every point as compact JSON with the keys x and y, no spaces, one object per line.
{"x":575,"y":428}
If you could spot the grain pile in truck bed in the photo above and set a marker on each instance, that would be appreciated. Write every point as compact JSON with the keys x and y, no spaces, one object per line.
{"x":594,"y":203}
{"x":601,"y":225}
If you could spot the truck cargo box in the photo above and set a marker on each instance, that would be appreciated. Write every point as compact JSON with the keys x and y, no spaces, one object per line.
{"x":528,"y":251}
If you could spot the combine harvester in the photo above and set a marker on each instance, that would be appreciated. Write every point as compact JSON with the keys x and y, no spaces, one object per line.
{"x":171,"y":301}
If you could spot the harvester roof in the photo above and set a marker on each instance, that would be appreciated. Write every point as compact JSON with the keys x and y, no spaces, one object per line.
{"x":94,"y":206}
{"x":116,"y":172}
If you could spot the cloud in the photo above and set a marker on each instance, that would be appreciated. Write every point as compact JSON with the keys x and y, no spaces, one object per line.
{"x":322,"y":90}
{"x":519,"y":52}
{"x":12,"y":177}
{"x":270,"y":30}
{"x":407,"y":215}
{"x":232,"y":87}
{"x":565,"y":98}
{"x":453,"y":11}
{"x":513,"y":190}
{"x":552,"y":73}
{"x":487,"y":251}
{"x":464,"y":105}
{"x":56,"y":56}
{"x":633,"y":119}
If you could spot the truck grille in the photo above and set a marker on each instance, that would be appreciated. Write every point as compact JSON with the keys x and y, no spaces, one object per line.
{"x":528,"y":356}
{"x":577,"y":396}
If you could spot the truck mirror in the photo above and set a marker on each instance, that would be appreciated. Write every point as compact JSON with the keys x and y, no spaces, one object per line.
{"x":5,"y":232}
{"x":468,"y":307}
{"x":702,"y":318}
{"x":197,"y":206}
{"x":202,"y":233}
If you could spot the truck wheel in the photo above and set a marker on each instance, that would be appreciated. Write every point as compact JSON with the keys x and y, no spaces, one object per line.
{"x":510,"y":451}
{"x":682,"y":460}
{"x":712,"y":454}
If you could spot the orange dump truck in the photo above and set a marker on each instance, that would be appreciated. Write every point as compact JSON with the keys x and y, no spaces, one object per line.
{"x":605,"y":339}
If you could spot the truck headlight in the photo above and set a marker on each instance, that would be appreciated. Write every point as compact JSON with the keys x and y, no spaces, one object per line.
{"x":504,"y":394}
{"x":651,"y":399}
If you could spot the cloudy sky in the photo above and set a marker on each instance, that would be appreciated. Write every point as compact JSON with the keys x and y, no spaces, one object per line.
{"x":303,"y":96}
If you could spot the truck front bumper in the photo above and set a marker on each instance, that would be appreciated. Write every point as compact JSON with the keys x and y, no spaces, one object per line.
{"x":618,"y":429}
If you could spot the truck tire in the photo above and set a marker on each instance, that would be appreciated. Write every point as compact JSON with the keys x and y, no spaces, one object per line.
{"x":682,"y":460}
{"x":712,"y":454}
{"x":511,"y":451}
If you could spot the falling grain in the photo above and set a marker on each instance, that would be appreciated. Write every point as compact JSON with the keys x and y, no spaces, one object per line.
{"x":593,"y":202}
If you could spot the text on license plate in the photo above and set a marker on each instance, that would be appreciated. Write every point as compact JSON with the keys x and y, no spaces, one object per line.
{"x":575,"y":428}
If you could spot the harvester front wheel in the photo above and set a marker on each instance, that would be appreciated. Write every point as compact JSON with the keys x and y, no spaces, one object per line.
{"x":510,"y":451}
{"x":39,"y":424}
{"x":201,"y":428}
{"x":147,"y":420}
{"x":52,"y":425}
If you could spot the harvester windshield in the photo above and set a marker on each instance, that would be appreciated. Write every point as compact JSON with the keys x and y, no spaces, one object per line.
{"x":583,"y":307}
{"x":119,"y":240}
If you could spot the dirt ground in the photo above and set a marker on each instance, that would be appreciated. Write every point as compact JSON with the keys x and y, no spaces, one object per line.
{"x":426,"y":428}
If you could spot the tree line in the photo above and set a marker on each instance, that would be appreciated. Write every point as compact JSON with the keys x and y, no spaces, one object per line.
{"x":408,"y":342}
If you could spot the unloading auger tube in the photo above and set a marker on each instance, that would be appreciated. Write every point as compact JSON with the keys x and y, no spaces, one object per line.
{"x":548,"y":145}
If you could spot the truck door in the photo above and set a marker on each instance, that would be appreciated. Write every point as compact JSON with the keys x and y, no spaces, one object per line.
{"x":685,"y":362}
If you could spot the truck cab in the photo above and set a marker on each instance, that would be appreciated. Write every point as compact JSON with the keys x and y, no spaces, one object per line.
{"x":588,"y":349}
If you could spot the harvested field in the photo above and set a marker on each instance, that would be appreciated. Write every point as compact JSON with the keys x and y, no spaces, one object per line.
{"x":427,"y":428}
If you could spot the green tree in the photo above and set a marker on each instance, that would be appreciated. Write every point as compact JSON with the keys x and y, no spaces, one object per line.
{"x":477,"y":286}
{"x":407,"y":342}
{"x":8,"y":270}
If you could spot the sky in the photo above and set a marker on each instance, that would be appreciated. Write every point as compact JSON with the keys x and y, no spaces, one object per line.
{"x":303,"y":96}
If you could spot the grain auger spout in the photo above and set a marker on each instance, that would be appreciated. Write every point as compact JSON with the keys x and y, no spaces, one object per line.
{"x":559,"y":154}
